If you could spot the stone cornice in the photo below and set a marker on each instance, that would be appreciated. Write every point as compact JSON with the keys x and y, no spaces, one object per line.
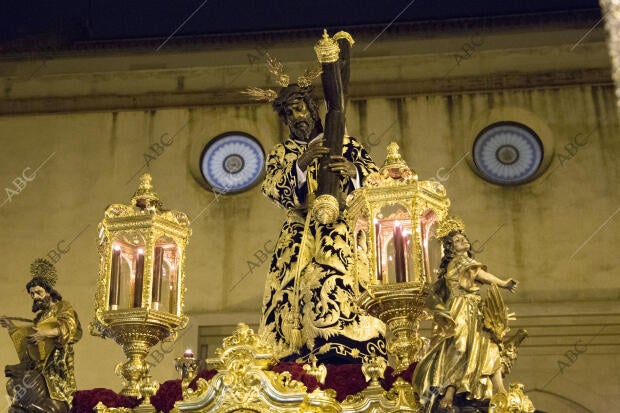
{"x":392,"y":89}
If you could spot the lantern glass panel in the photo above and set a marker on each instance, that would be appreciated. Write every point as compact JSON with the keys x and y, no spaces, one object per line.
{"x":363,"y":245}
{"x":431,"y":246}
{"x":165,"y":275}
{"x":394,"y":231}
{"x":126,"y":271}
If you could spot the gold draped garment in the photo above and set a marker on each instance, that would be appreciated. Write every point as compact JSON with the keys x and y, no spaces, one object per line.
{"x":465,"y":356}
{"x":53,"y":357}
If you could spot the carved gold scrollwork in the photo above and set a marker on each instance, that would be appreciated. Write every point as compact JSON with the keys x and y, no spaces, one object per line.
{"x":320,"y":401}
{"x":514,"y":401}
{"x":243,"y":384}
{"x":402,"y":394}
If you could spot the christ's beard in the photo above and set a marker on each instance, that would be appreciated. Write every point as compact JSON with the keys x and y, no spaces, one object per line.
{"x":301,"y":130}
{"x":41,"y":304}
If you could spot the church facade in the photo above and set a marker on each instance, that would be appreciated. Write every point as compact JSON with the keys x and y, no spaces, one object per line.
{"x":79,"y":126}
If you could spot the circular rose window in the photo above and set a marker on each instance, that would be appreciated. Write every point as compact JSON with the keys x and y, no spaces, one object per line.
{"x":232,"y":162}
{"x":507,"y":153}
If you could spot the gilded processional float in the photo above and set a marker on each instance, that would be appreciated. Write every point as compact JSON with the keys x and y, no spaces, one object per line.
{"x":365,"y":256}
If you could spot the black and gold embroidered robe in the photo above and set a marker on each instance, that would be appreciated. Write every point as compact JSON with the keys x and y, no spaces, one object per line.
{"x":323,"y":296}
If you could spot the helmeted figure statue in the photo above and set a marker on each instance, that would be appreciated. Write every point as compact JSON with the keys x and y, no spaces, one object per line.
{"x":44,"y":380}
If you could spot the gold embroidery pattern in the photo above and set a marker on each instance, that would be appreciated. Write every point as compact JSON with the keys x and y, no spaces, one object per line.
{"x":467,"y":356}
{"x":324,"y":301}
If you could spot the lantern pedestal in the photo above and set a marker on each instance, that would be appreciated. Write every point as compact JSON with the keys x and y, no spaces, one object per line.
{"x":136,"y":331}
{"x":401,"y":308}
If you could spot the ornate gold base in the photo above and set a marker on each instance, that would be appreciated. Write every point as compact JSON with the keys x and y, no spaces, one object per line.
{"x":136,"y":339}
{"x":400,"y":307}
{"x":137,"y":330}
{"x":515,"y":401}
{"x":244,"y":384}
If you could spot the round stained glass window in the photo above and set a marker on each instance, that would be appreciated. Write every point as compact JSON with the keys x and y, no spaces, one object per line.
{"x":232,"y":162}
{"x":507,"y":153}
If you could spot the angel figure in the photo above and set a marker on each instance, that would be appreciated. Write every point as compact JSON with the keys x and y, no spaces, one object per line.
{"x":466,"y":350}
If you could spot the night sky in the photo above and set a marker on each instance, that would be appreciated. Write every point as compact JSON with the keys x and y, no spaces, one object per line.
{"x":122,"y":19}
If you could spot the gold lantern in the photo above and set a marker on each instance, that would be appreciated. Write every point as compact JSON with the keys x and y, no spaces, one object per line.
{"x":392,"y":219}
{"x":140,"y":292}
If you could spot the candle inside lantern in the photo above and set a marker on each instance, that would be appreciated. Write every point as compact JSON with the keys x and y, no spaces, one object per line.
{"x":378,"y":245}
{"x":399,"y":253}
{"x":406,"y":242}
{"x":137,"y":289}
{"x":157,"y":272}
{"x":115,"y":278}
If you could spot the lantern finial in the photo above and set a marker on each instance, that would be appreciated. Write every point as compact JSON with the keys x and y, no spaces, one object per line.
{"x":393,"y":156}
{"x":394,"y":164}
{"x":146,"y":197}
